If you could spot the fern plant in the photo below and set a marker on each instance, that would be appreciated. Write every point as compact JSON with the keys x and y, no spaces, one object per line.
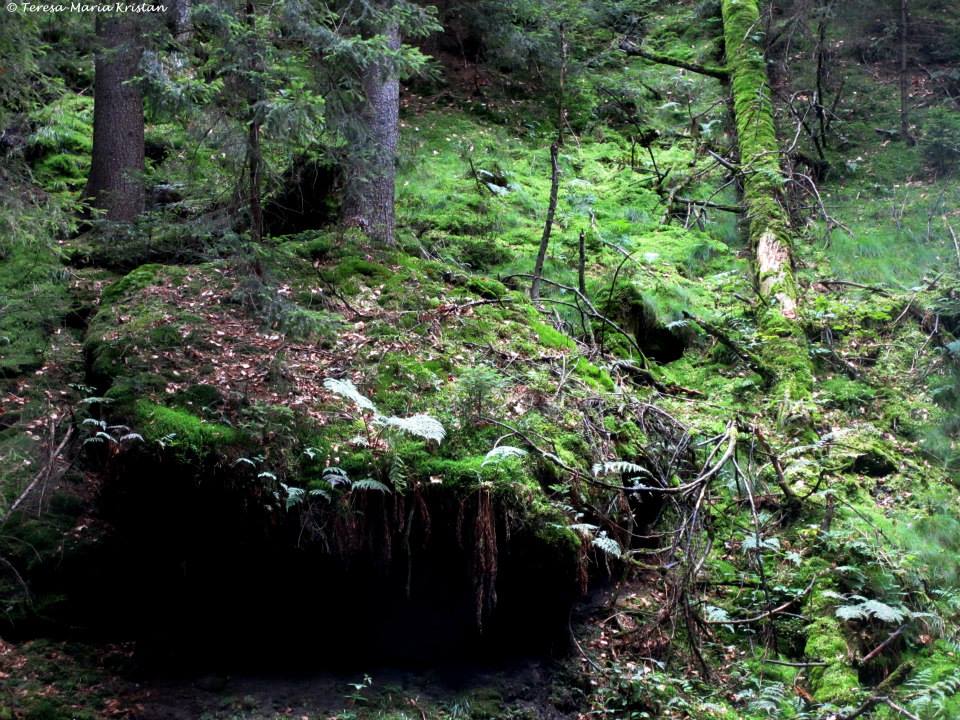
{"x":62,"y":142}
{"x":857,"y":607}
{"x":931,"y":697}
{"x":501,"y":453}
{"x":334,"y":482}
{"x":599,"y":540}
{"x":420,"y":425}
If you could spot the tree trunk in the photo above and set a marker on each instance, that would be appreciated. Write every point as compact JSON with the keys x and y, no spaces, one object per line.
{"x":582,"y":264}
{"x":769,"y":227}
{"x":178,"y":19}
{"x":548,"y":224}
{"x":115,"y":184}
{"x":254,"y":167}
{"x":904,"y":77}
{"x":254,"y":154}
{"x":369,"y":193}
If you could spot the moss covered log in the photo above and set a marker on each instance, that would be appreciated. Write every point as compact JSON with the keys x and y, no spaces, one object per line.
{"x":769,"y":227}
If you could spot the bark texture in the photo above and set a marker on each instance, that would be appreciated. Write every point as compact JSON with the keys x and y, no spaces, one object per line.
{"x":115,"y":184}
{"x":370,"y":186}
{"x":178,"y":19}
{"x":254,"y":153}
{"x":768,"y":223}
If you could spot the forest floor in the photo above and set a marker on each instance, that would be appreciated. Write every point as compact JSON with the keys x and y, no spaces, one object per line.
{"x":168,"y":352}
{"x":55,"y":679}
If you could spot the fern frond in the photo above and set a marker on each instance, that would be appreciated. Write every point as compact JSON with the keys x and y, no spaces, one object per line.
{"x":608,"y":545}
{"x":932,"y":697}
{"x":419,"y":425}
{"x":294,"y":495}
{"x":335,"y":476}
{"x":370,"y":484}
{"x":872,"y":609}
{"x":618,"y":467}
{"x":715,"y":614}
{"x":346,"y":389}
{"x":751,"y":542}
{"x":398,"y":473}
{"x":501,"y":452}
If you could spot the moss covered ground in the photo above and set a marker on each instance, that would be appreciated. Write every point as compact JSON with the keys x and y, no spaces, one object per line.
{"x":202,"y":360}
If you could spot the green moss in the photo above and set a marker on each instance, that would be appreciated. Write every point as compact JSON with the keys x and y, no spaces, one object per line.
{"x":487,"y":288}
{"x":825,"y":641}
{"x":630,"y":438}
{"x":197,"y":397}
{"x":595,"y":377}
{"x":143,"y":277}
{"x":316,"y":249}
{"x":837,"y":681}
{"x":867,"y":452}
{"x":550,"y":337}
{"x":560,"y":537}
{"x":181,"y":429}
{"x":33,"y":300}
{"x":784,"y":350}
{"x":846,"y":394}
{"x":346,"y":272}
{"x":128,"y":388}
{"x":485,"y":704}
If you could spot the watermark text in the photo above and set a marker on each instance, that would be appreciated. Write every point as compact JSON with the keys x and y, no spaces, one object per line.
{"x":79,"y":7}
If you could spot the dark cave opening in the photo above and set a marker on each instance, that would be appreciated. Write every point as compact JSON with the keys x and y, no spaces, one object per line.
{"x":202,"y":572}
{"x":307,"y":198}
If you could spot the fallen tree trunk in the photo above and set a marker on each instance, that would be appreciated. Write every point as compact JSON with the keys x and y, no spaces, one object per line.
{"x":784,"y":344}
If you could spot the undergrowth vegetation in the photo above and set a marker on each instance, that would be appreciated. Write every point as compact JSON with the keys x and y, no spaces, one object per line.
{"x":409,"y":415}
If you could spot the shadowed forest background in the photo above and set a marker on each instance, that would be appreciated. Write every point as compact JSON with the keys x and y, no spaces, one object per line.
{"x":480,"y":360}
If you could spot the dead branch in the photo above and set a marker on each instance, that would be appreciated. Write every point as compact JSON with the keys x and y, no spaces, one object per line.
{"x":769,"y":613}
{"x":633,"y":50}
{"x":792,"y":500}
{"x":848,"y":283}
{"x":46,"y":472}
{"x":708,"y":204}
{"x":956,"y":243}
{"x":750,"y":358}
{"x":548,"y":223}
{"x":882,"y":646}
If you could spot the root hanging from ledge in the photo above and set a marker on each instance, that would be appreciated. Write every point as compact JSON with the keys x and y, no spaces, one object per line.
{"x":485,"y":556}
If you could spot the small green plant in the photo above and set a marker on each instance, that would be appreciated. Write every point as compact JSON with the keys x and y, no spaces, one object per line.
{"x":356,"y":696}
{"x":477,"y":387}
